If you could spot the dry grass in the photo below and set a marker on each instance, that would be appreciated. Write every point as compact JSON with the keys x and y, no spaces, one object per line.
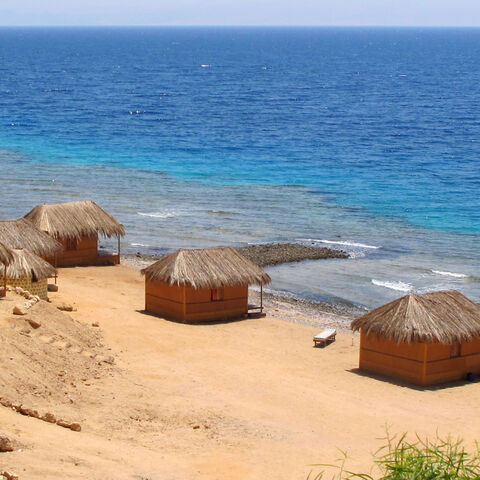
{"x":445,"y":317}
{"x":23,"y":234}
{"x":75,"y":220}
{"x":206,"y":268}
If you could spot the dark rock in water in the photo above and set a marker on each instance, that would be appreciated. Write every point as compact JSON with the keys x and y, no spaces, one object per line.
{"x":277,"y":253}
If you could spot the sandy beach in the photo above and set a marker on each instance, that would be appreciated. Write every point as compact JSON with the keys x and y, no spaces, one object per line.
{"x":247,"y":399}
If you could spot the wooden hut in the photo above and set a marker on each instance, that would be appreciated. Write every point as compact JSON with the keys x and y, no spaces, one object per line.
{"x":6,"y":258}
{"x":201,"y":285}
{"x":77,"y":225}
{"x":30,"y":272}
{"x":422,"y":339}
{"x":23,"y":234}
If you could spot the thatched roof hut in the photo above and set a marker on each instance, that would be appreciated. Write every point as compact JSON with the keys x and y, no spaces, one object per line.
{"x":423,"y":339}
{"x":6,"y":255}
{"x":23,"y":234}
{"x":29,"y":272}
{"x":206,"y":268}
{"x":202,"y":285}
{"x":444,"y":316}
{"x":27,"y":264}
{"x":74,"y":220}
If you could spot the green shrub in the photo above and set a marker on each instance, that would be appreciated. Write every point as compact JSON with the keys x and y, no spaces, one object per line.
{"x":400,"y":459}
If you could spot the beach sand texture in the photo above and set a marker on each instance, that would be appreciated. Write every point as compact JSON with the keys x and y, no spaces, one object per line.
{"x":248,"y":399}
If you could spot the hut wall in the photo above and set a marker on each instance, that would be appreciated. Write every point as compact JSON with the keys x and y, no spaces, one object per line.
{"x":470,"y":348}
{"x":419,"y":363}
{"x":194,"y":305}
{"x":164,"y":299}
{"x":447,"y":362}
{"x":402,"y":361}
{"x":39,"y":288}
{"x":84,"y":253}
{"x":200,"y":307}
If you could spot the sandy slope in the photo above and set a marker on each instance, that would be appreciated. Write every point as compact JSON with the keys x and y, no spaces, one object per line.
{"x":265,"y":402}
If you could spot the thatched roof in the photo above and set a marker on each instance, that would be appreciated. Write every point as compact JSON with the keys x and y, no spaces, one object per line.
{"x":74,"y":220}
{"x":6,"y":255}
{"x":27,"y":264}
{"x":23,"y":234}
{"x":446,"y":317}
{"x":206,"y":268}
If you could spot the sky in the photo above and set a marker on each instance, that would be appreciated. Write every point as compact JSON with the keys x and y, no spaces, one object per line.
{"x":241,"y":12}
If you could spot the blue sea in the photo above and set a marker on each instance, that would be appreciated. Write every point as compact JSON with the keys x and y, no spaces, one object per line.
{"x":363,"y":139}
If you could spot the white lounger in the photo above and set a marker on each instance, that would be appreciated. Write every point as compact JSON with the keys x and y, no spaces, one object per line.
{"x":325,"y":337}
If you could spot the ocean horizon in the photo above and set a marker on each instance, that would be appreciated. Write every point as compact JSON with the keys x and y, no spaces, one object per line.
{"x":362,"y":139}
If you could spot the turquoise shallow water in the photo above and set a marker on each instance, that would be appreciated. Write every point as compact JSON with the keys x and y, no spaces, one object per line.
{"x":361,"y":139}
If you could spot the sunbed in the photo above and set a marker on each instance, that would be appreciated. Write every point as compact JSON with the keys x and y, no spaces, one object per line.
{"x":325,"y":337}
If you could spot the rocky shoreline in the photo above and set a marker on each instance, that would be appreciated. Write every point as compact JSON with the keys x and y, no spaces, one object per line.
{"x":277,"y":253}
{"x":304,"y":311}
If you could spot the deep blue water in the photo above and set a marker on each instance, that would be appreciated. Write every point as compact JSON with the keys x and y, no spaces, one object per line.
{"x":202,"y":136}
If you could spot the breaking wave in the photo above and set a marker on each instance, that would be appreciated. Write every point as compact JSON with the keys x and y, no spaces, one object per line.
{"x":399,"y":286}
{"x":345,"y":243}
{"x":157,"y":214}
{"x":450,"y":274}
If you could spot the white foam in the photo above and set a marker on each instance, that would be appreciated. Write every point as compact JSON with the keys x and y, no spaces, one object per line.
{"x":357,"y":254}
{"x":343,"y":243}
{"x":205,"y":65}
{"x":399,"y":286}
{"x":157,"y":214}
{"x":138,"y":245}
{"x":450,"y":274}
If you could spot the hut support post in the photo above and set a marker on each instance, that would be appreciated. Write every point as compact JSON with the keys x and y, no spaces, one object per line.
{"x":55,"y":265}
{"x":118,"y":249}
{"x":4,"y":293}
{"x":261,"y":296}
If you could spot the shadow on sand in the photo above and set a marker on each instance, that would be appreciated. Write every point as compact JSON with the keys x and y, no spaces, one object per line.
{"x":411,"y":386}
{"x":194,"y":324}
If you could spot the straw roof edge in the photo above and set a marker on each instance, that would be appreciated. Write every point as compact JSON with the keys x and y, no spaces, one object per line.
{"x":445,"y":316}
{"x":27,"y":264}
{"x":206,"y":268}
{"x":75,"y":220}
